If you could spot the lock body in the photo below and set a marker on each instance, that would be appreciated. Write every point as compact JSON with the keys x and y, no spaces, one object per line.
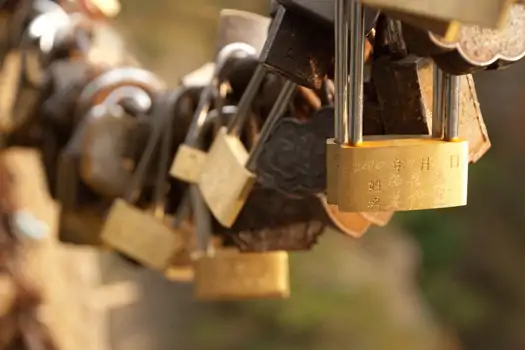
{"x":188,"y":163}
{"x":225,"y":183}
{"x":102,"y":166}
{"x":229,"y":274}
{"x":402,"y":174}
{"x":140,"y":236}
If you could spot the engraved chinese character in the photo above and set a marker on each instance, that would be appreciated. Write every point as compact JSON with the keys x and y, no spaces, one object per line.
{"x":415,"y":179}
{"x":425,"y":163}
{"x":454,"y":161}
{"x":374,"y":186}
{"x":398,"y":164}
{"x":379,"y":165}
{"x":395,"y":180}
{"x":374,"y":203}
{"x":395,"y":203}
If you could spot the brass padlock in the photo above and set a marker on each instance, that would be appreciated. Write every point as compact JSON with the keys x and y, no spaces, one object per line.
{"x":143,"y":236}
{"x":226,"y":274}
{"x":397,"y":173}
{"x":241,"y":34}
{"x":229,"y":171}
{"x":487,"y":13}
{"x":189,"y":159}
{"x":229,"y":274}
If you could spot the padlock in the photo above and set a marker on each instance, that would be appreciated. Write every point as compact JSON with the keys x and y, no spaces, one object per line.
{"x":95,"y":93}
{"x":108,"y":129}
{"x":414,"y":77}
{"x":487,"y":13}
{"x":228,"y":173}
{"x":398,"y":173}
{"x":475,"y":47}
{"x":231,"y":275}
{"x":145,"y":237}
{"x":226,"y":274}
{"x":188,"y":161}
{"x":234,"y":44}
{"x":79,"y":204}
{"x":300,"y":42}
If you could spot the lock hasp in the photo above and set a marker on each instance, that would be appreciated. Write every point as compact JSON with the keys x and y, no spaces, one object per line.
{"x":402,"y":174}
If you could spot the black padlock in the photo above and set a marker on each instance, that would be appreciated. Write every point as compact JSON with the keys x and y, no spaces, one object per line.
{"x":300,"y":43}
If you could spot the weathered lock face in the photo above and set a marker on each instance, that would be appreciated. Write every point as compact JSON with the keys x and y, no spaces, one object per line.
{"x":271,"y":221}
{"x":482,"y":12}
{"x":293,"y":159}
{"x":300,"y":41}
{"x":234,"y":275}
{"x":474,"y":47}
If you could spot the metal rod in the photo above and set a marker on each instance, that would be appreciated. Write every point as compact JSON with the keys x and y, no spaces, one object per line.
{"x":437,"y":104}
{"x":165,"y":151}
{"x":243,"y":108}
{"x":341,"y":71}
{"x":138,"y":177}
{"x":201,"y":218}
{"x":451,"y":106}
{"x":357,"y":52}
{"x":278,"y":109}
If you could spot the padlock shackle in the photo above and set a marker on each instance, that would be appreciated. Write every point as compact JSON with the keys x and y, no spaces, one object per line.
{"x":141,"y":99}
{"x":278,"y":109}
{"x":437,"y":103}
{"x":227,"y":53}
{"x":341,"y":71}
{"x":445,"y":105}
{"x":118,"y":77}
{"x":357,"y":55}
{"x":235,"y":126}
{"x":139,"y":174}
{"x":451,"y":106}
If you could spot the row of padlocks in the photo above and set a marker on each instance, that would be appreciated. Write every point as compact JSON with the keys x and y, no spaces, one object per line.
{"x":326,"y":114}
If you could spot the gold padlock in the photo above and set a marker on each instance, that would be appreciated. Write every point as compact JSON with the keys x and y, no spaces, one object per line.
{"x":486,"y":13}
{"x":229,"y":274}
{"x":137,"y":234}
{"x":241,"y":34}
{"x":397,"y":173}
{"x":228,"y":175}
{"x":225,"y":273}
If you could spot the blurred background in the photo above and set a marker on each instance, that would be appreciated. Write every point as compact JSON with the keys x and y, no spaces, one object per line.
{"x":446,"y":279}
